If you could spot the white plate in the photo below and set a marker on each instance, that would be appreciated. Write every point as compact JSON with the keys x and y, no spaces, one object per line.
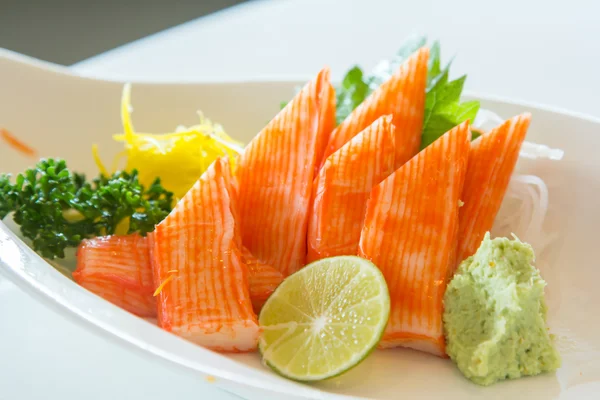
{"x":62,"y":115}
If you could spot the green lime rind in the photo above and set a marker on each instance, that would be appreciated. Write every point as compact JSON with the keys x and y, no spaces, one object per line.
{"x":324,"y":319}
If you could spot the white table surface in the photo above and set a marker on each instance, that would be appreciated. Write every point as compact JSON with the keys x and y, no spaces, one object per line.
{"x":539,"y":51}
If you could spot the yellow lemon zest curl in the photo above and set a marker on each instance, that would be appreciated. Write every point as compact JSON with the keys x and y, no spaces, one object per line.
{"x":178,"y":158}
{"x":162,"y":285}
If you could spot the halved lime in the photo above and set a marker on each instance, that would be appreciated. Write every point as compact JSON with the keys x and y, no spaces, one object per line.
{"x":324,"y":319}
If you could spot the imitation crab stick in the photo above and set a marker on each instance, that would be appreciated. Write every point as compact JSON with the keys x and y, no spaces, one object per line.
{"x":263,"y":278}
{"x":492,"y":159}
{"x":403,"y":96}
{"x":275,"y":175}
{"x":343,"y":187}
{"x":203,"y":289}
{"x":410,"y":233}
{"x":327,"y":109}
{"x":117,"y":268}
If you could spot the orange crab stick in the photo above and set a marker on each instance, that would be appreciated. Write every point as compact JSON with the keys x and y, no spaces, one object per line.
{"x":410,"y":232}
{"x":403,"y":96}
{"x":263,"y":278}
{"x":327,"y":110}
{"x":203,"y":290}
{"x":275,"y":175}
{"x":117,"y":268}
{"x":343,"y":187}
{"x":492,"y":160}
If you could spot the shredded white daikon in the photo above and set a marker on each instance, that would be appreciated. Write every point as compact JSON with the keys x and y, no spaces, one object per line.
{"x":487,"y":120}
{"x":526,"y":203}
{"x":537,"y":151}
{"x":524,"y":211}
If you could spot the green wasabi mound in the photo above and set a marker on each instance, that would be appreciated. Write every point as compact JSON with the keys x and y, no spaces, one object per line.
{"x":495,"y":315}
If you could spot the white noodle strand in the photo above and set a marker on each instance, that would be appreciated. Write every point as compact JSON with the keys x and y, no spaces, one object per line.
{"x":524,"y":211}
{"x":487,"y":120}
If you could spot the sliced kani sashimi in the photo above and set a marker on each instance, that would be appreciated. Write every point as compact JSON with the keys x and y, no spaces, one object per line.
{"x":410,"y":232}
{"x":343,"y":187}
{"x":492,"y":160}
{"x":275,"y":175}
{"x":117,"y":268}
{"x":203,"y":288}
{"x":263,"y":278}
{"x":402,"y":96}
{"x":327,"y":110}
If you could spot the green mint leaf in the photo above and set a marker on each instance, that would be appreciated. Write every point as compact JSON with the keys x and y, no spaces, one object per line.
{"x":435,"y":62}
{"x":351,"y":93}
{"x":443,"y":109}
{"x":451,"y":91}
{"x":436,"y":123}
{"x":444,"y":116}
{"x":467,"y":111}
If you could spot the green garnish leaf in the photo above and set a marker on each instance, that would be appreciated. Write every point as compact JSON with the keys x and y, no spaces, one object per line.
{"x":475,"y":134}
{"x":57,"y":208}
{"x":351,"y":93}
{"x":443,"y":109}
{"x":435,"y":62}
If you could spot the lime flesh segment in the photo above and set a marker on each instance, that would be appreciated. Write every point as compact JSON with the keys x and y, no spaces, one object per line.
{"x":324,"y":319}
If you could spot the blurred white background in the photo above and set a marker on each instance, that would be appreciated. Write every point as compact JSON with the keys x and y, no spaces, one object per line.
{"x":539,"y":51}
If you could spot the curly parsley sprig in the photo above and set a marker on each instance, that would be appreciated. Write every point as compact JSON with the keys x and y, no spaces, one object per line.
{"x":57,"y":208}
